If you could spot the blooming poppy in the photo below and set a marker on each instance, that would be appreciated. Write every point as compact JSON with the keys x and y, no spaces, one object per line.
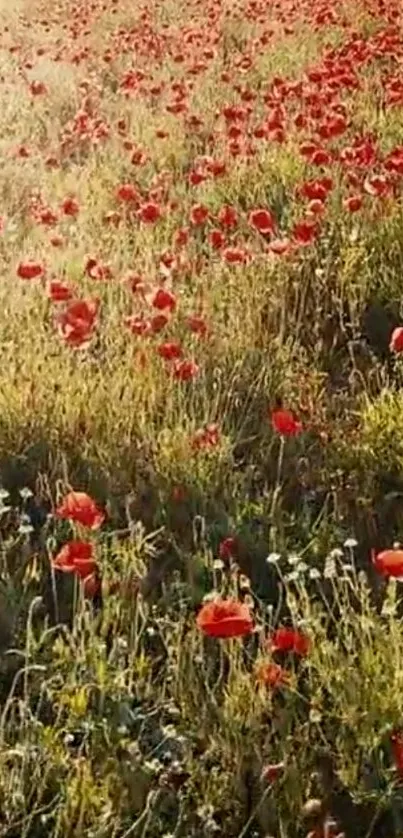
{"x":76,"y":557}
{"x":170,"y":351}
{"x":81,"y":508}
{"x":321,"y":157}
{"x":30,"y":270}
{"x":235,"y":255}
{"x":353,"y":203}
{"x":228,"y":216}
{"x":262,"y":220}
{"x":185,"y":370}
{"x":217,"y":239}
{"x":271,"y":674}
{"x":47,"y":217}
{"x":138,"y":325}
{"x":96,"y":269}
{"x":396,"y":340}
{"x":77,"y":321}
{"x":199,"y":214}
{"x":59,"y":292}
{"x":164,"y":299}
{"x":289,"y":640}
{"x":225,"y":618}
{"x":70,"y":206}
{"x":377,"y":186}
{"x":315,"y":190}
{"x":196,"y":324}
{"x":316,"y":207}
{"x":285,"y":423}
{"x":304,"y":232}
{"x":158,"y":323}
{"x":128,"y":193}
{"x":149,"y":213}
{"x":389,"y":563}
{"x":195,"y":178}
{"x":181,"y":237}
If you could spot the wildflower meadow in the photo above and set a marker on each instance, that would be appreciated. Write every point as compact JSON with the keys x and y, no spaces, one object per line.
{"x":201,"y":419}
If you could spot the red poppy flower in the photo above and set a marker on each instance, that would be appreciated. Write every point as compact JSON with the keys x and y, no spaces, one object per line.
{"x":289,"y":640}
{"x":228,"y":216}
{"x":195,"y":178}
{"x":170,"y":351}
{"x":225,"y":618}
{"x":181,"y":237}
{"x":285,"y":423}
{"x":96,"y":269}
{"x":305,"y":232}
{"x":76,"y":557}
{"x":158,"y":323}
{"x":217,"y":239}
{"x":353,"y":203}
{"x":314,"y":190}
{"x":30,"y":270}
{"x":59,"y":292}
{"x":128,"y":193}
{"x":80,"y":507}
{"x":235,"y":255}
{"x":321,"y":157}
{"x":138,"y":325}
{"x":262,"y":220}
{"x":185,"y":370}
{"x":47,"y":217}
{"x":197,"y":324}
{"x":77,"y":321}
{"x":271,"y":674}
{"x":149,"y":213}
{"x":199,"y":214}
{"x":70,"y":207}
{"x":389,"y":563}
{"x":316,"y":207}
{"x":396,"y":341}
{"x":164,"y":299}
{"x":377,"y":186}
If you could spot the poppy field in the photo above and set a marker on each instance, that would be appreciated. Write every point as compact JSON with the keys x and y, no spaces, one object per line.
{"x":201,"y":419}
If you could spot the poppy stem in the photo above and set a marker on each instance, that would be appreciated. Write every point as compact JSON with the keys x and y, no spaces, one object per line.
{"x":255,"y":811}
{"x":276,"y":493}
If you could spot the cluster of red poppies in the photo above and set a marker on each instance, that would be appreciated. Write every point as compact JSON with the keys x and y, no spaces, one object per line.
{"x":78,"y":556}
{"x":347,"y":171}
